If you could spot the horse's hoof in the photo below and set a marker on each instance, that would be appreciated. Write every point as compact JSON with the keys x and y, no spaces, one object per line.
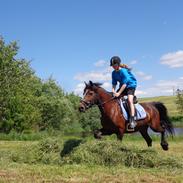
{"x":149,"y":144}
{"x":164,"y":146}
{"x":98,"y":134}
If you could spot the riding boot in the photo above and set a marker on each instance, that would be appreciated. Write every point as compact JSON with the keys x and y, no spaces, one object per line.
{"x":132,"y":122}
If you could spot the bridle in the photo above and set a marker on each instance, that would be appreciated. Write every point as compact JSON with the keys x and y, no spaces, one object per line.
{"x":89,"y":104}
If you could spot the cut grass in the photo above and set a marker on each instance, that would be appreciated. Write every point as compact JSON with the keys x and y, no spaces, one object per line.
{"x":83,"y":174}
{"x":109,"y":157}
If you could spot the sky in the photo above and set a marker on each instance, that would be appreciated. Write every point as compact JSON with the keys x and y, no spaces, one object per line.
{"x":73,"y":40}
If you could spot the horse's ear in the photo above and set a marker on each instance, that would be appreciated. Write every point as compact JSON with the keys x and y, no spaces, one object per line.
{"x":91,"y":83}
{"x":86,"y":84}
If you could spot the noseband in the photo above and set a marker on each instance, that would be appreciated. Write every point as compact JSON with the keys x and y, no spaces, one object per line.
{"x":87,"y":104}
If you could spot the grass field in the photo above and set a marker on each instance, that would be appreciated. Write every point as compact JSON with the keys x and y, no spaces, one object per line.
{"x":75,"y":160}
{"x":169,"y":101}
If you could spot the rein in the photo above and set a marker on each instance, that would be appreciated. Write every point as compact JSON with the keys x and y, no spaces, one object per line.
{"x":101,"y":104}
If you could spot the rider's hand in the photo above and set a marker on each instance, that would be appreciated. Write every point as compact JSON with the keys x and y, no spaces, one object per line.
{"x":117,"y":94}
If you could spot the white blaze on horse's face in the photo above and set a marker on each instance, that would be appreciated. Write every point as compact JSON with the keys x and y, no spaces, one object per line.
{"x":89,"y":96}
{"x":85,"y":93}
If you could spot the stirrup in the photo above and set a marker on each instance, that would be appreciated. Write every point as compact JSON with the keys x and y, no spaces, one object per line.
{"x":129,"y":128}
{"x":133,"y":124}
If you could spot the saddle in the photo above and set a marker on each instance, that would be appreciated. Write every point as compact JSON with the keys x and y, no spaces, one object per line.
{"x":140,"y":112}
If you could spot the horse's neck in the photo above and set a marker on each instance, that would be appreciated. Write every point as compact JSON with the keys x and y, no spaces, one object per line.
{"x":103,"y":95}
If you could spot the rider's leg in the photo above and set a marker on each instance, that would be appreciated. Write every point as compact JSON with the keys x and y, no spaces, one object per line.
{"x":132,"y":111}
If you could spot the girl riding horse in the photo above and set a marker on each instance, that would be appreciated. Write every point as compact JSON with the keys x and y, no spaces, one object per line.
{"x":128,"y":84}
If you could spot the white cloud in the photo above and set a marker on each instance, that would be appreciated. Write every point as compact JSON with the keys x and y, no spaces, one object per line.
{"x":143,"y":76}
{"x":103,"y":76}
{"x":162,"y":88}
{"x":100,"y":63}
{"x":170,"y":84}
{"x":79,"y":89}
{"x":133,"y":62}
{"x":107,"y":86}
{"x":93,"y":76}
{"x":173,"y":59}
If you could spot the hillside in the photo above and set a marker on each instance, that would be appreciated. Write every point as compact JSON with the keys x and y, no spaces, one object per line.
{"x":169,"y":101}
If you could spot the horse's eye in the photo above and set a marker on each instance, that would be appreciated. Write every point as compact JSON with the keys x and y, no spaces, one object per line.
{"x":90,"y":93}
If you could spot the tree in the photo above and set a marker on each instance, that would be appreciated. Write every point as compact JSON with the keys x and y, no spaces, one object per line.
{"x":29,"y":104}
{"x":18,"y":86}
{"x":179,"y":100}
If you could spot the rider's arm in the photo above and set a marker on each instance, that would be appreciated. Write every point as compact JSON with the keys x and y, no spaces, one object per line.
{"x":113,"y":88}
{"x":114,"y":83}
{"x":122,"y":89}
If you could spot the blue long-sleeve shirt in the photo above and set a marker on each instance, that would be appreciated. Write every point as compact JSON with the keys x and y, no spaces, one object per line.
{"x":124,"y":76}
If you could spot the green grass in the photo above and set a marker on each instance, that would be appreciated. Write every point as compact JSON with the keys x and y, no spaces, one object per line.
{"x":69,"y":159}
{"x":23,"y":136}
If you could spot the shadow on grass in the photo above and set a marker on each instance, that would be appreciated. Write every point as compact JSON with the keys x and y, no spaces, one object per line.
{"x":69,"y":145}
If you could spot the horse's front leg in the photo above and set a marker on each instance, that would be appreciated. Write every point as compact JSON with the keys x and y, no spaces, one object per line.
{"x":98,"y":133}
{"x":120,"y":133}
{"x":144,"y":132}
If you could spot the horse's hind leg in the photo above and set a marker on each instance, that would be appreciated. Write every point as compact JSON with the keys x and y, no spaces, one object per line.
{"x":164,"y":143}
{"x":145,"y":135}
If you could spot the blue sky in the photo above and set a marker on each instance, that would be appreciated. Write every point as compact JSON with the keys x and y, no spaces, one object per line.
{"x":73,"y":40}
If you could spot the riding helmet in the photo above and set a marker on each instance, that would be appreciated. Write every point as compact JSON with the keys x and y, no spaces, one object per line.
{"x":115,"y":60}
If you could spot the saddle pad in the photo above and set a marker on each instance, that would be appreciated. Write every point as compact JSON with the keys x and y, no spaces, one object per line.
{"x":139,"y":111}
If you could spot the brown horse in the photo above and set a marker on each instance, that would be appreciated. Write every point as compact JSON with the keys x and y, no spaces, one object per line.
{"x":112,"y":119}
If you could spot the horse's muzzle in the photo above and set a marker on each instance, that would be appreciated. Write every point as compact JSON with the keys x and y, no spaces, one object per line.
{"x":82,"y":108}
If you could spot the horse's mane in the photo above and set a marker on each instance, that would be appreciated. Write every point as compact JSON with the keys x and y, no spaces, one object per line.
{"x":99,"y":85}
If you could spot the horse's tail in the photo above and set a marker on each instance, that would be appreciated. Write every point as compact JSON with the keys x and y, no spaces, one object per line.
{"x":165,"y":121}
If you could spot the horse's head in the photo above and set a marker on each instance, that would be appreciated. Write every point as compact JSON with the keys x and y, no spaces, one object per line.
{"x":90,"y":96}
